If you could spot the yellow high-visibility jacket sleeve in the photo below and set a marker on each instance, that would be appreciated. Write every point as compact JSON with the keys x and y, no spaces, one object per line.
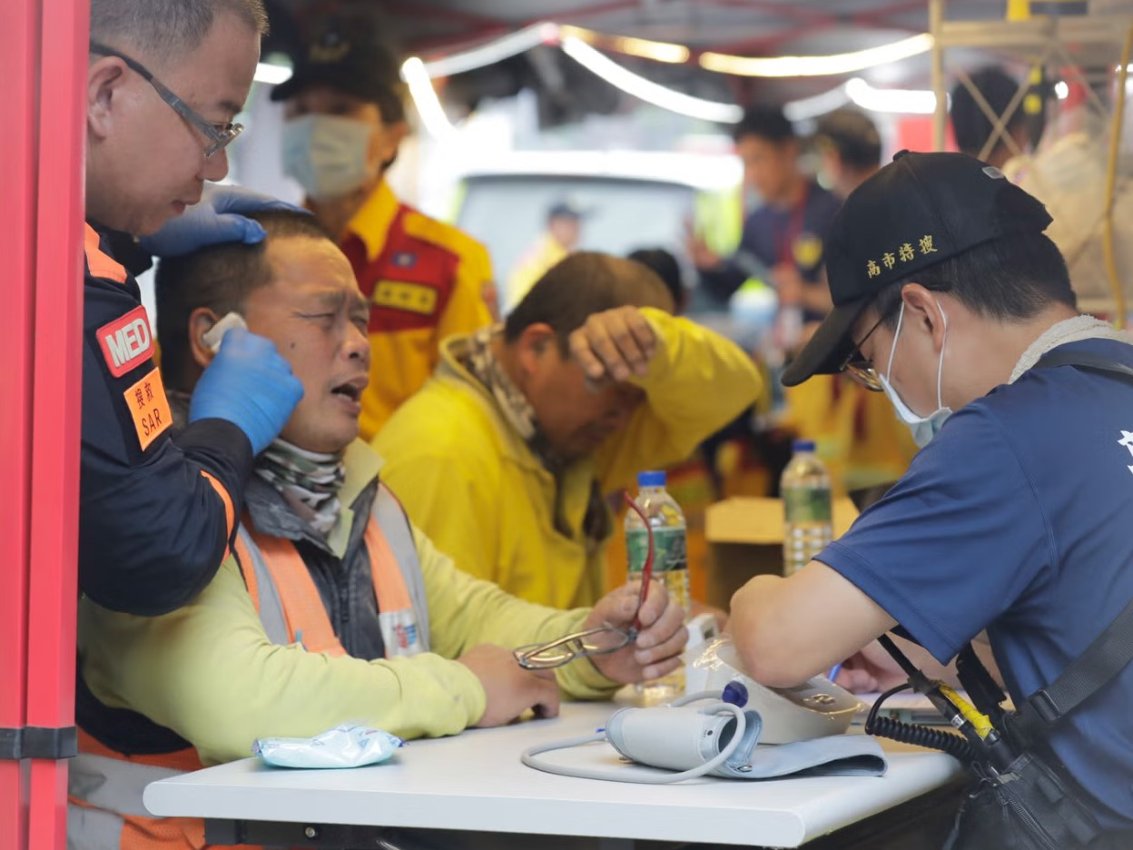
{"x":466,"y":611}
{"x":697,"y":382}
{"x":208,"y":672}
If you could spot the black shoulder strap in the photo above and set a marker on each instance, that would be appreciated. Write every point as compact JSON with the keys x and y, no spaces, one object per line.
{"x":1084,"y":360}
{"x":1103,"y":659}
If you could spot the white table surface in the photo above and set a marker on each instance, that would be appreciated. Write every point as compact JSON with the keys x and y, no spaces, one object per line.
{"x":475,"y":781}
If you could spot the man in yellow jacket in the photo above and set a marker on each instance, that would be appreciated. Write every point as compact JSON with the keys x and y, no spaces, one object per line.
{"x":336,"y":607}
{"x":507,"y":457}
{"x":424,"y":279}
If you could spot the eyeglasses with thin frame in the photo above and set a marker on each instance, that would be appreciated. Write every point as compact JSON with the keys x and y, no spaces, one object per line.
{"x":599,"y":641}
{"x":219,"y":136}
{"x":860,"y":369}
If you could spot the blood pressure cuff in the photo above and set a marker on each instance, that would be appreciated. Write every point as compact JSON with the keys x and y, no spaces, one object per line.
{"x":684,"y":737}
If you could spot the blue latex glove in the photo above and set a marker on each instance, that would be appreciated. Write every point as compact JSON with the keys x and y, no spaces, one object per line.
{"x":217,"y":218}
{"x":248,"y":384}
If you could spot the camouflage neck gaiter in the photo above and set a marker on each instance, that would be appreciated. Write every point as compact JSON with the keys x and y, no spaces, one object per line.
{"x":309,"y":481}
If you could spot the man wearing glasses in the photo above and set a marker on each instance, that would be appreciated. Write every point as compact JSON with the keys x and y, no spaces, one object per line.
{"x":164,"y":82}
{"x":1014,"y":516}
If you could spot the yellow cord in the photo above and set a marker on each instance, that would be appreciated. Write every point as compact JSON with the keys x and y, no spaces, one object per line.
{"x":1111,"y":182}
{"x":979,"y":721}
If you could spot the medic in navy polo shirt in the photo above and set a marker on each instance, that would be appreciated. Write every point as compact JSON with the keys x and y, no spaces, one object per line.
{"x":1017,"y":515}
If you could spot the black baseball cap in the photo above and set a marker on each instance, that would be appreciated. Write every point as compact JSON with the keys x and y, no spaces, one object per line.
{"x":566,"y":208}
{"x":917,"y":211}
{"x":355,"y":64}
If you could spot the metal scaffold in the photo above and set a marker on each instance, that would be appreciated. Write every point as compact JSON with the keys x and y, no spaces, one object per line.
{"x":1090,"y":51}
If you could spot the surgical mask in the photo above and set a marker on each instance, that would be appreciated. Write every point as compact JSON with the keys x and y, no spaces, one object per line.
{"x":327,"y":154}
{"x":923,"y":428}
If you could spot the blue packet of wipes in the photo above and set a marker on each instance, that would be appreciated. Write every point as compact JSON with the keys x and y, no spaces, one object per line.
{"x":343,"y":746}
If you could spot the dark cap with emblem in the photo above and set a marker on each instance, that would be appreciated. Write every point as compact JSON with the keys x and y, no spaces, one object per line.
{"x":916,"y":212}
{"x":566,"y":208}
{"x":343,"y":56}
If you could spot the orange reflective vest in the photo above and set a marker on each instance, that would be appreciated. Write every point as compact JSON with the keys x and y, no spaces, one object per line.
{"x":105,"y":786}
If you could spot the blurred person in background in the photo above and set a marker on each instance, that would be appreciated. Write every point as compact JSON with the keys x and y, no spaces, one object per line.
{"x":850,"y":148}
{"x":862,"y":442}
{"x":782,"y":239}
{"x":666,"y":267}
{"x":781,"y":246}
{"x":560,"y":238}
{"x":974,"y":129}
{"x":344,"y":120}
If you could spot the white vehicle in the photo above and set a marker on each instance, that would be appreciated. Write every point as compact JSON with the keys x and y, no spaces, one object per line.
{"x":631,"y":199}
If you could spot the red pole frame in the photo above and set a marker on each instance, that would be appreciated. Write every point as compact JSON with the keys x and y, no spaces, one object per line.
{"x":19,"y":54}
{"x":43,"y":50}
{"x":56,"y":405}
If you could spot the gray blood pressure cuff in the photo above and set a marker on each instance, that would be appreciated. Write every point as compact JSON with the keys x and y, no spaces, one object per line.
{"x":683,"y":738}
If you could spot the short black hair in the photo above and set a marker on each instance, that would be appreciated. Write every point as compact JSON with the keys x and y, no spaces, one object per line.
{"x":1013,"y":277}
{"x":167,"y":28}
{"x":219,"y":277}
{"x":766,"y":122}
{"x":970,"y":124}
{"x":667,"y":268}
{"x":581,"y":284}
{"x":853,"y":136}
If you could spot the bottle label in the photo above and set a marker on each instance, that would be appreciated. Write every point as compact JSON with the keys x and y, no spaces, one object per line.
{"x":669,"y":551}
{"x":807,"y":504}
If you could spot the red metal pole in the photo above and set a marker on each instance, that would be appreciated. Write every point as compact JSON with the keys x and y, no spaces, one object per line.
{"x":19,"y":55}
{"x":56,"y":405}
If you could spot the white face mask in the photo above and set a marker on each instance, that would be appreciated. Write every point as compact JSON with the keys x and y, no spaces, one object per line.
{"x":327,"y":154}
{"x":924,"y":428}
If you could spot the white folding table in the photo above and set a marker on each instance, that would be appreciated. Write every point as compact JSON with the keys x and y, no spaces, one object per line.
{"x":475,"y":781}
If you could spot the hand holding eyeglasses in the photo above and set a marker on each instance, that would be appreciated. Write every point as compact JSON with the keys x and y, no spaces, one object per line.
{"x":660,"y":634}
{"x":634,"y":630}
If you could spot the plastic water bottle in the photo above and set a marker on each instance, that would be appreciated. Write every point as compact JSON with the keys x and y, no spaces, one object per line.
{"x":670,"y":563}
{"x":807,"y":507}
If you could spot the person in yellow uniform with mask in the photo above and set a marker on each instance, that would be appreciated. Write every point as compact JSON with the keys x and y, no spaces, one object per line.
{"x":424,"y":279}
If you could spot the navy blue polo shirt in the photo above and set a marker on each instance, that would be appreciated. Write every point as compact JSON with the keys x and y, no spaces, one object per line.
{"x":1018,"y":518}
{"x":773,"y":235}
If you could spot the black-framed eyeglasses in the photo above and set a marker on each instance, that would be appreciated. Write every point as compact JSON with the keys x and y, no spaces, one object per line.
{"x":860,"y":369}
{"x":219,"y":136}
{"x":599,"y":641}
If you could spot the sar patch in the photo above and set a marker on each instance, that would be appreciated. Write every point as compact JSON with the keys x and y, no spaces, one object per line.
{"x":417,"y":298}
{"x":127,"y":342}
{"x":149,"y":408}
